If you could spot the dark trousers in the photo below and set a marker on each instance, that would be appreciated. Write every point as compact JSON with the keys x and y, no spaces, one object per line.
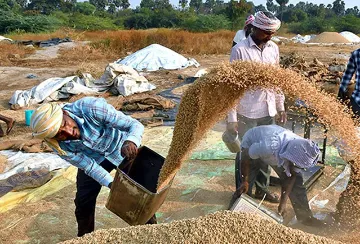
{"x":85,"y":201}
{"x":263,"y":170}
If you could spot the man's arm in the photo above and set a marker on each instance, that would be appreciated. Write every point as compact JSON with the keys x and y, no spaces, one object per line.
{"x":245,"y":165}
{"x":90,"y":167}
{"x":350,"y":70}
{"x":280,"y":107}
{"x":286,"y":187}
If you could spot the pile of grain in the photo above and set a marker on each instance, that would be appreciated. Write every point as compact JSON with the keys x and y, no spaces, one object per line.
{"x":329,"y":37}
{"x":209,"y":99}
{"x":221,"y":227}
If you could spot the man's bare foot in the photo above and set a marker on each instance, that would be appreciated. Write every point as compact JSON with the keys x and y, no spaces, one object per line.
{"x":10,"y":124}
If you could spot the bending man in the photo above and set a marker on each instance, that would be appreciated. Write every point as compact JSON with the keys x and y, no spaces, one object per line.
{"x":288,"y":154}
{"x":93,"y":136}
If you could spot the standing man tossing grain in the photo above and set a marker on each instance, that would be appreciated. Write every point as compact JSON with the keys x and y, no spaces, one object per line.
{"x":352,"y":67}
{"x":245,"y":32}
{"x":288,"y":154}
{"x":93,"y":136}
{"x":257,"y":107}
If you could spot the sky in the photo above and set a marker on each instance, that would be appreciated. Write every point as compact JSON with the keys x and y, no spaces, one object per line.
{"x":348,"y":3}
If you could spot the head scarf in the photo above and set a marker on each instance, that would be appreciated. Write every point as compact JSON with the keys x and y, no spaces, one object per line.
{"x":45,"y":124}
{"x":303,"y":153}
{"x":249,"y":20}
{"x":263,"y":22}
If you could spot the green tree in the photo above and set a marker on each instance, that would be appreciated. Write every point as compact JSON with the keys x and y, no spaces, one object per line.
{"x":45,"y":6}
{"x":271,"y":6}
{"x":183,"y":4}
{"x":99,"y":4}
{"x":237,"y":10}
{"x":85,"y":8}
{"x":353,"y":11}
{"x":339,"y":7}
{"x":147,"y":4}
{"x":209,"y":5}
{"x":282,"y":4}
{"x":196,"y":5}
{"x":259,"y":8}
{"x":124,"y":4}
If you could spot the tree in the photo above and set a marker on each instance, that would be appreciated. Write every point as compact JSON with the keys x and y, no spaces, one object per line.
{"x":236,"y":10}
{"x":162,"y":4}
{"x":352,"y":11}
{"x":196,"y":5}
{"x":271,"y":7}
{"x":99,"y":4}
{"x":85,"y":8}
{"x":260,"y":8}
{"x":44,"y":6}
{"x":183,"y":3}
{"x":147,"y":4}
{"x":338,"y":7}
{"x":282,"y":4}
{"x":209,"y":6}
{"x":124,"y":4}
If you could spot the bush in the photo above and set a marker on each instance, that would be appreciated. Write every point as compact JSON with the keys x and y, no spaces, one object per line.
{"x":38,"y":23}
{"x":207,"y":23}
{"x":348,"y":23}
{"x":312,"y":25}
{"x":87,"y":22}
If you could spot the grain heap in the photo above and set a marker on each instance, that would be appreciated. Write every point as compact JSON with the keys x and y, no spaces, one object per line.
{"x":212,"y":96}
{"x":329,"y":37}
{"x":221,"y":227}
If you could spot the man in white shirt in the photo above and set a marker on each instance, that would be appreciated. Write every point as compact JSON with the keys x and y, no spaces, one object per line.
{"x":288,"y":154}
{"x":245,"y":32}
{"x":259,"y":106}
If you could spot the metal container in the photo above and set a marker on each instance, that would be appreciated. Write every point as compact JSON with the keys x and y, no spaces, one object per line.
{"x":247,"y":205}
{"x":231,"y":141}
{"x":133,"y":195}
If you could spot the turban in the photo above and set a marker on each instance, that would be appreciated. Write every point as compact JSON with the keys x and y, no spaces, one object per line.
{"x":302,"y":152}
{"x":249,"y":20}
{"x":45,"y":124}
{"x":263,"y":22}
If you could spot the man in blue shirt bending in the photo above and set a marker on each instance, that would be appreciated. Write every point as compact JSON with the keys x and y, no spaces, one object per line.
{"x":93,"y":136}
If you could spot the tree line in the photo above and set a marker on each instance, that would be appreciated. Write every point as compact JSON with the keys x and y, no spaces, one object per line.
{"x":192,"y":15}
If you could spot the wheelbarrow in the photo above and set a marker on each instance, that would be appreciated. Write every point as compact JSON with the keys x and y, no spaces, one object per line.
{"x":133,"y":196}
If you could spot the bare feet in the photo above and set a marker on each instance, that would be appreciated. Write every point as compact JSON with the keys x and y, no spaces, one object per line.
{"x":10,"y":124}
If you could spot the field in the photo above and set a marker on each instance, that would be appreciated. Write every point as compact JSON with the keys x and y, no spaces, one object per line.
{"x":51,"y":219}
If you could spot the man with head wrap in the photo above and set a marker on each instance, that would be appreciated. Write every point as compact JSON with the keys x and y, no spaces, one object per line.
{"x":288,"y":154}
{"x":93,"y":136}
{"x":260,"y":106}
{"x":245,"y":32}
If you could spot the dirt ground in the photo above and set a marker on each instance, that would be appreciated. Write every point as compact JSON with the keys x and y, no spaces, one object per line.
{"x":200,"y":187}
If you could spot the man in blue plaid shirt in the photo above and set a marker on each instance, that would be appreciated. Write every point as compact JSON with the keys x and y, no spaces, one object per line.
{"x":93,"y":136}
{"x":352,"y":67}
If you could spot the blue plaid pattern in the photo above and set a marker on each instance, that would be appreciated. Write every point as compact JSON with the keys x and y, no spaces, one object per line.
{"x":352,"y":67}
{"x":103,"y":132}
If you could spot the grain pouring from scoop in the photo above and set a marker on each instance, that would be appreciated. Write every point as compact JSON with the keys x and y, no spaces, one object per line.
{"x":210,"y":98}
